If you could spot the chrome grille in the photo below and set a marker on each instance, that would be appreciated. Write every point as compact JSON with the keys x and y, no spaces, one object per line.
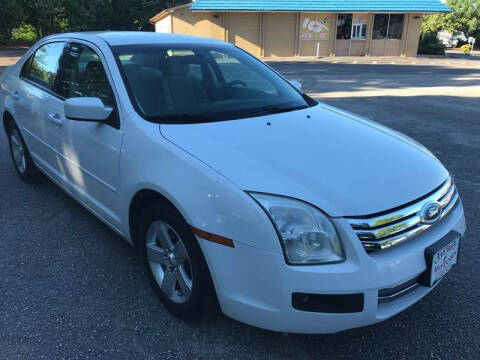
{"x":378,"y":232}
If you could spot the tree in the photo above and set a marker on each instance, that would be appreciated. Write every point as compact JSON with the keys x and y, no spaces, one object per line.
{"x":53,"y":16}
{"x":46,"y":16}
{"x":149,"y":8}
{"x":464,"y":19}
{"x":11,"y":15}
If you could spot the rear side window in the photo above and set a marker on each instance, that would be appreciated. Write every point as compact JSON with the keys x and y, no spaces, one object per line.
{"x":44,"y":65}
{"x":26,"y":67}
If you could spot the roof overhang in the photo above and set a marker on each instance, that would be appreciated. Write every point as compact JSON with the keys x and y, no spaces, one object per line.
{"x":166,"y":12}
{"x":386,"y":6}
{"x":231,"y":6}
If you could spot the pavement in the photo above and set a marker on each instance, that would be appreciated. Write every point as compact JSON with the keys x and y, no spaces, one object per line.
{"x":71,"y":288}
{"x":453,"y":58}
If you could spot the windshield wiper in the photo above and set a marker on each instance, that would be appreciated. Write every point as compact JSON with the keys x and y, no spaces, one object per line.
{"x":181,"y":119}
{"x":274,"y":110}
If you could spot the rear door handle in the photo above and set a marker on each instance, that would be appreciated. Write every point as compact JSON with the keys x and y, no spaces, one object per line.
{"x":15,"y":95}
{"x":55,"y":120}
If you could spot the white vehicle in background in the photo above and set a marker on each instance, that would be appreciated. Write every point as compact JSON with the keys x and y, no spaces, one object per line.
{"x":233,"y":184}
{"x":450,"y":43}
{"x":449,"y":39}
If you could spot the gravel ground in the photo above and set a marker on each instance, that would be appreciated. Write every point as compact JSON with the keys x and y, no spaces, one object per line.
{"x":71,"y":288}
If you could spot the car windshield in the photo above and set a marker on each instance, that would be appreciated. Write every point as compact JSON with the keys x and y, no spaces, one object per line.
{"x":203,"y":83}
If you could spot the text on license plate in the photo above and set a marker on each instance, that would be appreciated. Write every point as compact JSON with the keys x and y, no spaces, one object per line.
{"x":443,"y":260}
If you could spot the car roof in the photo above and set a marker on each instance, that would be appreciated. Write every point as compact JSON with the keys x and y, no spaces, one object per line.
{"x":115,"y":38}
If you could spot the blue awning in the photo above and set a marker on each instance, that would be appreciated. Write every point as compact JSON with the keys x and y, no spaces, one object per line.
{"x":417,"y":6}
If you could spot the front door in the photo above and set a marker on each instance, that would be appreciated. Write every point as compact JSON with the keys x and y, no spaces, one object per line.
{"x":89,"y":152}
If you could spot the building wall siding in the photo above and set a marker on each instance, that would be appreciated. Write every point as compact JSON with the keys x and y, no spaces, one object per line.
{"x":279,"y":34}
{"x":244,"y":31}
{"x":198,"y":24}
{"x":413,"y":34}
{"x":164,"y":25}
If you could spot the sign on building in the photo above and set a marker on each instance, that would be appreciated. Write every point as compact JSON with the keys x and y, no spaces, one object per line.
{"x":315,"y":26}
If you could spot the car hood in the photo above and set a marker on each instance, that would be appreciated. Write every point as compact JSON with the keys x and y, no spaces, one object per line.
{"x":339,"y":162}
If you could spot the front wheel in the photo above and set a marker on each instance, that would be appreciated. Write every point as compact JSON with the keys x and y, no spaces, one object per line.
{"x":174,"y":262}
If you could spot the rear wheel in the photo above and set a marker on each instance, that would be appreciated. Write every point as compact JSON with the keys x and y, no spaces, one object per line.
{"x":20,"y":155}
{"x":174,"y":262}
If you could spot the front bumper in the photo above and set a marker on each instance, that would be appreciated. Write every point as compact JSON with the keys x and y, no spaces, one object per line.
{"x":256,"y":287}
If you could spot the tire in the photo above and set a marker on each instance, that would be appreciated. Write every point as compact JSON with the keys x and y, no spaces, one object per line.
{"x":21,"y":158}
{"x":176,"y":266}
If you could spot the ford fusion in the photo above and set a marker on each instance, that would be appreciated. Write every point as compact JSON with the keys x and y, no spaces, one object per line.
{"x":234,"y":185}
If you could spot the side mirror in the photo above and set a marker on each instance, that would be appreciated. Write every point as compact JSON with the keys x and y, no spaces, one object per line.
{"x":297,"y":84}
{"x":86,"y":109}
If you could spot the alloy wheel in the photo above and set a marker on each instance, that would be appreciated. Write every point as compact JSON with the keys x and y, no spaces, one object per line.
{"x":18,"y":151}
{"x":169,"y":261}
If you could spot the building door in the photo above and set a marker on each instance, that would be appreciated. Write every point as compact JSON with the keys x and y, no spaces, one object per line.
{"x":387,"y":35}
{"x":315,"y":32}
{"x":358,"y":46}
{"x":351,"y":39}
{"x":344,"y":34}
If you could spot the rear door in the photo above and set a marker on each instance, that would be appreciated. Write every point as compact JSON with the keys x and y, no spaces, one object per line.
{"x":38,"y":98}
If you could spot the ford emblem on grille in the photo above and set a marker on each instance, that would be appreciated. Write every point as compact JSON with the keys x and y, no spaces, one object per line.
{"x":430,"y":212}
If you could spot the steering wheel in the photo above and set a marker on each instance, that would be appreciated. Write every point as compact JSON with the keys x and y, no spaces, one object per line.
{"x":235,"y":83}
{"x":228,"y":89}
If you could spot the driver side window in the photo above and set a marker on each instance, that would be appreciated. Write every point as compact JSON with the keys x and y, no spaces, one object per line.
{"x":83,"y":74}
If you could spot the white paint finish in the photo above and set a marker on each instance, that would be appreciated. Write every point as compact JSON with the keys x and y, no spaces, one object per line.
{"x":206,"y":199}
{"x":341,"y":163}
{"x":86,"y":108}
{"x":260,"y":294}
{"x":164,"y":25}
{"x":344,"y":165}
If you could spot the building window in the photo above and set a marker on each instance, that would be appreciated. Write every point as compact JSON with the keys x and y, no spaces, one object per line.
{"x":359,"y":32}
{"x":388,"y":26}
{"x":380,"y":26}
{"x":396,"y":26}
{"x":344,"y":26}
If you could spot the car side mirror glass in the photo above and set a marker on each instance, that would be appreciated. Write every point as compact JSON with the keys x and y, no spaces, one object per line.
{"x":86,"y":109}
{"x":297,"y":84}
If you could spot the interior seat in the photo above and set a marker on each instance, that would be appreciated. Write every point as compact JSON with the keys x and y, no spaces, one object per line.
{"x":149,"y":86}
{"x":95,"y":83}
{"x":184,"y":89}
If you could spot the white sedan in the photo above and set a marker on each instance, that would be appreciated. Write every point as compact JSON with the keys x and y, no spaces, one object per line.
{"x":233,"y":184}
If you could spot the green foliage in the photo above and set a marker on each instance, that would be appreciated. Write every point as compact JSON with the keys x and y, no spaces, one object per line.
{"x":430,"y":44}
{"x":10,"y":17}
{"x":464,"y":18}
{"x":52,"y":16}
{"x":23,"y":35}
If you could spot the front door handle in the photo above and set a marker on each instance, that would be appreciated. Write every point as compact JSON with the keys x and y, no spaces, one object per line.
{"x":15,"y":95}
{"x":55,"y":120}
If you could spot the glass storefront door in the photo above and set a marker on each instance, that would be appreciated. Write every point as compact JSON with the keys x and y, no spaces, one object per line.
{"x":352,"y":32}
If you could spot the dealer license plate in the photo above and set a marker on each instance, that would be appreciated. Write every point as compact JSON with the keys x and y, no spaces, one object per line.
{"x":441,"y":257}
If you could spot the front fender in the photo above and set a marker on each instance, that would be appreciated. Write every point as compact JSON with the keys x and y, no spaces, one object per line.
{"x":206,"y":199}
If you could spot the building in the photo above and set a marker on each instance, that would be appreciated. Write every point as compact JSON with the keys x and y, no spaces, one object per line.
{"x":279,"y":28}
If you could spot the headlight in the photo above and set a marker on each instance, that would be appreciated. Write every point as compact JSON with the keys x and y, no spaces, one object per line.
{"x":308,"y":236}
